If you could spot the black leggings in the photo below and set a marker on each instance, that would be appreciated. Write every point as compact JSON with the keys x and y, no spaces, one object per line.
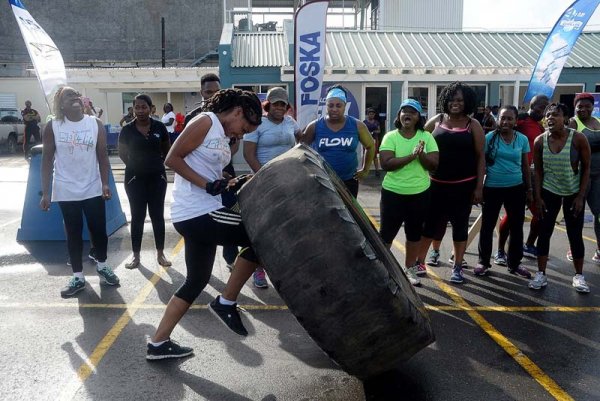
{"x":397,"y":209}
{"x":449,"y":202}
{"x":201,"y":236}
{"x":574,"y":224}
{"x":352,"y":186}
{"x":513,"y":199}
{"x":95,"y":216}
{"x":149,"y":192}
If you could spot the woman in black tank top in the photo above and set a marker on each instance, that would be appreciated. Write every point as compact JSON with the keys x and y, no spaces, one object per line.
{"x":457,"y":183}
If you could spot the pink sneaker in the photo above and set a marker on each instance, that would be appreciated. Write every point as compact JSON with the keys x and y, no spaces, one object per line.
{"x":421,"y":270}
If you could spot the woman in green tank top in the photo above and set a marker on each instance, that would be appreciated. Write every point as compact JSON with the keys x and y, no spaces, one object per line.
{"x":562,"y":169}
{"x":589,"y":125}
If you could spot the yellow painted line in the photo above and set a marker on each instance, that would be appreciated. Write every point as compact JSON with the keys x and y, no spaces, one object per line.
{"x":259,"y":307}
{"x":530,"y":367}
{"x":91,"y":363}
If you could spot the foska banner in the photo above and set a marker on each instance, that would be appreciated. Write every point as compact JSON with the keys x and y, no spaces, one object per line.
{"x":309,"y":60}
{"x":46,"y":58}
{"x":557,"y":48}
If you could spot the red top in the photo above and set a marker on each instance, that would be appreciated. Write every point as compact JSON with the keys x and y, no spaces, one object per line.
{"x":531,"y":129}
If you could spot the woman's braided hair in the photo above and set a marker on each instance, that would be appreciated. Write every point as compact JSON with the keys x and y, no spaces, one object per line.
{"x":226,"y":99}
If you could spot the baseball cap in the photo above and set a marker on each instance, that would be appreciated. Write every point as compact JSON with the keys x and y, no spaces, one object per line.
{"x":277,"y":94}
{"x":412,"y":103}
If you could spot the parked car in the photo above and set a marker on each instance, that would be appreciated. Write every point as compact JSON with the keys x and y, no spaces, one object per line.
{"x":12,"y":130}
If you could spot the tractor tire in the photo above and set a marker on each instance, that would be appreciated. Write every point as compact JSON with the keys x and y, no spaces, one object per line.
{"x":330,"y":266}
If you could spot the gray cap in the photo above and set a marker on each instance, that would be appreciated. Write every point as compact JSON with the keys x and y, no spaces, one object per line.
{"x":277,"y":94}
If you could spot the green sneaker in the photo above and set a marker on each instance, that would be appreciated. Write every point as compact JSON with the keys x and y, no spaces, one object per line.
{"x":108,"y":275}
{"x":75,"y":285}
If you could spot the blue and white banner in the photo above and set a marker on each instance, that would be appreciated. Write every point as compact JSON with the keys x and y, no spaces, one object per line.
{"x":45,"y":56}
{"x":309,"y":59}
{"x":557,"y":48}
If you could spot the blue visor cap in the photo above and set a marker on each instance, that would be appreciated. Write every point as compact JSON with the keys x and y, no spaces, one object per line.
{"x":412,"y":103}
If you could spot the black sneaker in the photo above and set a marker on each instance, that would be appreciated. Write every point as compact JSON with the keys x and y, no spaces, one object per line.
{"x":229,"y":315}
{"x":168,"y":349}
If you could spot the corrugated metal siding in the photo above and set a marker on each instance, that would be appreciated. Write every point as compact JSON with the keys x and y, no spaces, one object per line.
{"x":423,"y":16}
{"x":387,"y":50}
{"x":260,"y":49}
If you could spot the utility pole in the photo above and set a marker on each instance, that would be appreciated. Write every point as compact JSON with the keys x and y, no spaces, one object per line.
{"x":162,"y":36}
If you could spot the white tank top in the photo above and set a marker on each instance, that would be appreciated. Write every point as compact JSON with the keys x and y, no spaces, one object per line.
{"x":207,"y":160}
{"x":76,"y":173}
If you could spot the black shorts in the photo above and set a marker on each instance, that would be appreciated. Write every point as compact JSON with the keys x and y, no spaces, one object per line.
{"x":397,"y":209}
{"x":453,"y":203}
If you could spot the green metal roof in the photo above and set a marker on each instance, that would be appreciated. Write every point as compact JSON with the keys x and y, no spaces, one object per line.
{"x":466,"y":52}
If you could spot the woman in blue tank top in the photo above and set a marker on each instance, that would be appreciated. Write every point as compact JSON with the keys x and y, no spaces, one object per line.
{"x":336,"y":137}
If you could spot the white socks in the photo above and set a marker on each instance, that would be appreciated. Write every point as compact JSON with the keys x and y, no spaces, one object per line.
{"x":224,"y":301}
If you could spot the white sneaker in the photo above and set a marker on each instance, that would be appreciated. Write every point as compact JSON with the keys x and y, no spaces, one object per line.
{"x":539,"y":281}
{"x":596,"y":257}
{"x":580,"y":284}
{"x":411,"y":275}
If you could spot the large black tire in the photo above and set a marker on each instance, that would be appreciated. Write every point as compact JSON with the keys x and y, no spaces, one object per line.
{"x":330,"y":266}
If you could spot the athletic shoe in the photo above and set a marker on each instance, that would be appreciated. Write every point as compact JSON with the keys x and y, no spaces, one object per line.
{"x":260,"y":280}
{"x":92,"y":255}
{"x":108,"y":275}
{"x":228,"y":315}
{"x":530,"y":251}
{"x":457,"y":275}
{"x":411,"y":275}
{"x":433,"y":259}
{"x":420,"y":269}
{"x":464,"y":264}
{"x":579,"y":283}
{"x":75,"y":285}
{"x":596,"y":257}
{"x":168,"y":349}
{"x":521,"y":271}
{"x":500,"y":258}
{"x":481,"y":270}
{"x":569,"y":255}
{"x":538,"y":281}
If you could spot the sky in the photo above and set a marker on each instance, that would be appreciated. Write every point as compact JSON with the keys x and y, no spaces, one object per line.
{"x":518,"y":15}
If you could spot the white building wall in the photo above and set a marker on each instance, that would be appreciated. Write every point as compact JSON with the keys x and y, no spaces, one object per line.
{"x":423,"y":15}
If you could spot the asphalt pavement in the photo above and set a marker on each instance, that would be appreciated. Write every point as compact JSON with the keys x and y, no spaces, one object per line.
{"x":495,"y":338}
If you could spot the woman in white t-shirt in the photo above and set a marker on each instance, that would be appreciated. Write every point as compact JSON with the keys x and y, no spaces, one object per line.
{"x":74,"y":156}
{"x":198,"y":158}
{"x":168,"y":119}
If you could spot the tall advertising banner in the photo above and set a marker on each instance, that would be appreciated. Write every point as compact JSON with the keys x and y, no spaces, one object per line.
{"x":46,"y":57}
{"x":309,"y":59}
{"x":557,"y":48}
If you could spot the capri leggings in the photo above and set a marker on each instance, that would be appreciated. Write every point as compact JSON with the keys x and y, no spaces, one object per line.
{"x":449,"y":202}
{"x":201,"y":236}
{"x":593,"y":200}
{"x":397,"y":209}
{"x":574,"y":224}
{"x":95,"y":215}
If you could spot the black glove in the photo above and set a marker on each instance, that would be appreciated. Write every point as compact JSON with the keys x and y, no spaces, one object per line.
{"x":240,"y":180}
{"x":217,"y":187}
